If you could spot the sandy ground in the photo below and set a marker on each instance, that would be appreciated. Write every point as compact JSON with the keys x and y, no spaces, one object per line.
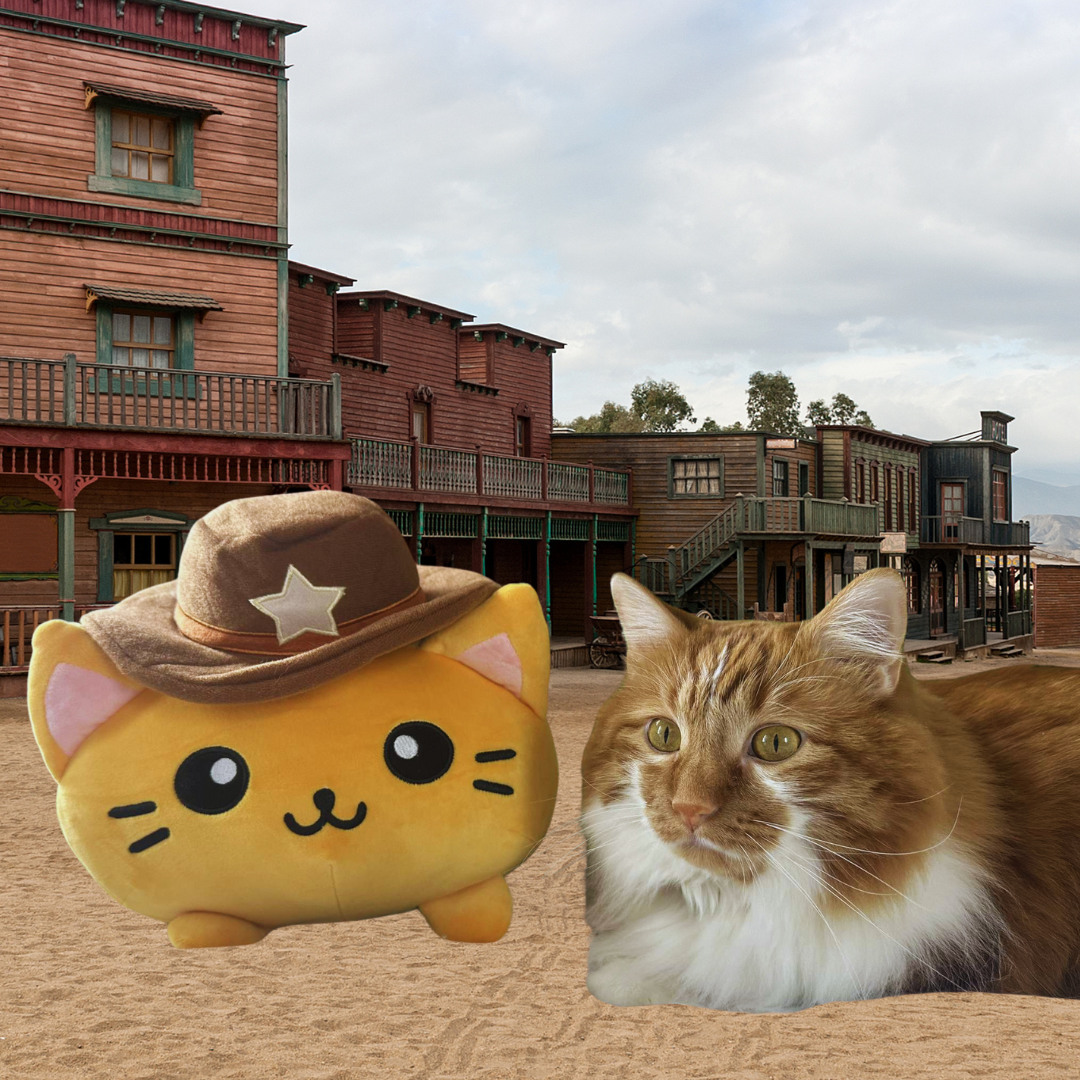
{"x":91,"y":990}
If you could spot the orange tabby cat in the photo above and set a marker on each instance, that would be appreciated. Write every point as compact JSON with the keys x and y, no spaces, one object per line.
{"x":781,"y":815}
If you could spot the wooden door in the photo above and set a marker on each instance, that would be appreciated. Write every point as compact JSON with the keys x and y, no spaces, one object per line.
{"x":937,"y":599}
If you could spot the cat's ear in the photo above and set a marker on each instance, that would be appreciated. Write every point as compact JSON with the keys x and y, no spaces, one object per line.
{"x":72,"y":689}
{"x":646,"y":621}
{"x":506,"y":640}
{"x":866,"y":621}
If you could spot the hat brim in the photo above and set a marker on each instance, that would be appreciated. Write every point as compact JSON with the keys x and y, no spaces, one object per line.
{"x":140,"y":636}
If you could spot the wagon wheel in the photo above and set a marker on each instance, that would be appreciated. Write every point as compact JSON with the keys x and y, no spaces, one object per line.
{"x":603,"y":656}
{"x":705,"y":613}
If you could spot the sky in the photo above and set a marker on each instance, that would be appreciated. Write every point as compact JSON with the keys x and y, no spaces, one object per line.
{"x":877,"y":198}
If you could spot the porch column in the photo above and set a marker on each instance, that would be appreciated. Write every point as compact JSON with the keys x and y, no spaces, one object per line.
{"x":546,"y":594}
{"x":483,"y":539}
{"x":592,"y":547}
{"x":419,"y":530}
{"x":961,"y":564}
{"x":809,"y":559}
{"x":65,"y":535}
{"x":740,"y":561}
{"x":589,"y":599}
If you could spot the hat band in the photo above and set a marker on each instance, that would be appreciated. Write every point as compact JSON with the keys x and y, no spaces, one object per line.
{"x":255,"y":644}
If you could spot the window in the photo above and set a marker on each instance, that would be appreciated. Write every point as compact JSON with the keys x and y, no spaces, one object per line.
{"x":899,"y":500}
{"x":779,"y":478}
{"x":888,"y":499}
{"x":697,"y":476}
{"x":952,"y":510}
{"x":998,"y":431}
{"x":913,"y":500}
{"x":142,"y":147}
{"x":804,"y":478}
{"x":874,"y":485}
{"x":141,"y":560}
{"x":421,"y":421}
{"x":145,"y":143}
{"x":143,"y":340}
{"x":914,"y":587}
{"x":1001,"y":494}
{"x":780,"y":597}
{"x":860,"y":482}
{"x":522,"y":436}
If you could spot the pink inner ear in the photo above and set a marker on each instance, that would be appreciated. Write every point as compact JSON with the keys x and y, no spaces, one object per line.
{"x":496,"y":660}
{"x":78,"y":701}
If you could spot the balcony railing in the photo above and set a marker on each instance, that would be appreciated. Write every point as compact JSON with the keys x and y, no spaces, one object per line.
{"x":954,"y":529}
{"x":417,"y":467}
{"x":73,"y":394}
{"x":17,"y":626}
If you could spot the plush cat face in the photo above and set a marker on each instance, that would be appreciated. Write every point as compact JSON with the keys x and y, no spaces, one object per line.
{"x":735,"y":740}
{"x":411,"y":778}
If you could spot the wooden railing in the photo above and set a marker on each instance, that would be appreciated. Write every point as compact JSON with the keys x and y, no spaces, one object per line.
{"x":166,"y":399}
{"x":17,"y":626}
{"x":385,"y":463}
{"x":955,"y":529}
{"x":1018,"y":623}
{"x":974,"y":632}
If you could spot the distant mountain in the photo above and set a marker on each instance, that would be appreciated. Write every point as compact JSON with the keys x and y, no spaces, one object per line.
{"x":1056,"y":532}
{"x":1032,"y":497}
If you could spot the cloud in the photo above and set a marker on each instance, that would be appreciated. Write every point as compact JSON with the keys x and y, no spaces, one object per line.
{"x":876,"y":196}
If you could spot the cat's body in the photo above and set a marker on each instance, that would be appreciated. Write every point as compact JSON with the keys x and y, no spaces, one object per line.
{"x":416,"y":780}
{"x":920,"y":836}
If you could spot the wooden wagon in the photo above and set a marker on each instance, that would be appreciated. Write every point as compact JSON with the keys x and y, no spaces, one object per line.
{"x":608,"y":647}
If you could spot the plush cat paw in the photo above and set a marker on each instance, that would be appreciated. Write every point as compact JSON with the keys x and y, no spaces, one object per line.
{"x":207,"y":930}
{"x":618,"y":983}
{"x":479,"y":913}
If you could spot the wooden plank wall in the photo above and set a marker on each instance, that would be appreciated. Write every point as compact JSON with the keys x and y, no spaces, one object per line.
{"x":869,"y":452}
{"x":832,"y":465}
{"x":1057,"y":606}
{"x":106,"y":497}
{"x":44,"y":302}
{"x":475,"y":357}
{"x":523,"y":378}
{"x":47,"y":138}
{"x":311,"y":324}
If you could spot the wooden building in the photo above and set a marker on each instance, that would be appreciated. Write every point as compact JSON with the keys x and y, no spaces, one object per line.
{"x":733,"y":523}
{"x":450,"y":427}
{"x":143,"y":236}
{"x":1056,"y":601}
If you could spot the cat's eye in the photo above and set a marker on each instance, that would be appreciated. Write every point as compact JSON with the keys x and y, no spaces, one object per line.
{"x":212,"y":780}
{"x":418,"y":752}
{"x":664,"y":735}
{"x":775,"y":743}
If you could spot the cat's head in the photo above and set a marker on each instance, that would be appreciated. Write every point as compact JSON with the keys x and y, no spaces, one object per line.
{"x":420,"y":773}
{"x":728,"y":737}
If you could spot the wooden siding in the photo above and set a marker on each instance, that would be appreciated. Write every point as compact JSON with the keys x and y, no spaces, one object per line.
{"x":475,"y":358}
{"x":312,"y":319}
{"x":45,"y":304}
{"x":664,"y":520}
{"x":47,"y":140}
{"x":106,"y":497}
{"x":523,"y":378}
{"x":871,"y":453}
{"x":1057,"y":606}
{"x":832,"y":465}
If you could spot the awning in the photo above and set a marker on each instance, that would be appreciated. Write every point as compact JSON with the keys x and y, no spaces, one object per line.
{"x":127,"y":95}
{"x":149,"y":298}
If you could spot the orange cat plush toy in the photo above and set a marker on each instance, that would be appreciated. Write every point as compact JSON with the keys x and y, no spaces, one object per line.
{"x":303,"y":727}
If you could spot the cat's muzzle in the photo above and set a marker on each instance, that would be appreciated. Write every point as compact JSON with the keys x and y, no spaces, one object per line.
{"x":324,"y":800}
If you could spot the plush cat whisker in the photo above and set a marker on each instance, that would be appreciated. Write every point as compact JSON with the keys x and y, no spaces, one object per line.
{"x":133,"y":810}
{"x":495,"y":755}
{"x":149,"y":841}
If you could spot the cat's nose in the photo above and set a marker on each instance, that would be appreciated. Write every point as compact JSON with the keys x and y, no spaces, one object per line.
{"x":324,"y":800}
{"x":694,"y":813}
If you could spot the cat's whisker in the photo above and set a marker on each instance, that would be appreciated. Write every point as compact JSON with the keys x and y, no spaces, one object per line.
{"x":861,"y":869}
{"x":911,"y":802}
{"x":828,"y":926}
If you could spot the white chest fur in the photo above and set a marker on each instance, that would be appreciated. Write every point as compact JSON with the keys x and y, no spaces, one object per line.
{"x":666,"y":931}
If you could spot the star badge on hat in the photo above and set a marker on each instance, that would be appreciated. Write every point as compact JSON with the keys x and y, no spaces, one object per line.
{"x":300,"y":607}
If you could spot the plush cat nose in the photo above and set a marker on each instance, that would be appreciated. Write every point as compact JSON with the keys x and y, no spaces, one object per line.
{"x":324,"y":800}
{"x":693,"y":813}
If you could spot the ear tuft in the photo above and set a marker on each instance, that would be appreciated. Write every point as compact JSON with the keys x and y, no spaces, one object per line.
{"x":646,"y":621}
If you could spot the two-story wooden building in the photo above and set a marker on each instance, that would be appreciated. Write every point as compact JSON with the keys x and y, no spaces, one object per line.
{"x":143,"y":291}
{"x":735,"y":523}
{"x":450,"y":427}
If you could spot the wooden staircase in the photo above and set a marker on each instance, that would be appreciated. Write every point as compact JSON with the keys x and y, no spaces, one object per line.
{"x":1006,"y":650}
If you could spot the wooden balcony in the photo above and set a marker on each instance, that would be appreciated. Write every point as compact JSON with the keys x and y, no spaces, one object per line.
{"x":414,"y":469}
{"x":17,"y":626}
{"x":72,"y":394}
{"x":954,"y":529}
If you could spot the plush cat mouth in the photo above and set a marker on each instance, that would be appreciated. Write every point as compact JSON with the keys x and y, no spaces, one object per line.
{"x":324,"y":800}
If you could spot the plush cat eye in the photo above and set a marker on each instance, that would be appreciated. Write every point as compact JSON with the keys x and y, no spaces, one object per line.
{"x":418,"y":752}
{"x":664,"y":735}
{"x":775,"y":743}
{"x":212,"y":780}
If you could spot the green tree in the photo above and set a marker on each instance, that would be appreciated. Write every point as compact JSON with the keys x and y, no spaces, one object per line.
{"x":772,"y":404}
{"x":612,"y":418}
{"x":660,"y":406}
{"x":709,"y":426}
{"x":817,"y":412}
{"x":842,"y":411}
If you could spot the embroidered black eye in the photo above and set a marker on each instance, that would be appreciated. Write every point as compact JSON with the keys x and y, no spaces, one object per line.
{"x":418,"y":752}
{"x":212,"y":780}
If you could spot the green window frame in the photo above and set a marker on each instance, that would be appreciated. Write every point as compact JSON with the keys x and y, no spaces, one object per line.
{"x":157,"y":378}
{"x":128,"y":521}
{"x":699,"y":471}
{"x":181,"y":190}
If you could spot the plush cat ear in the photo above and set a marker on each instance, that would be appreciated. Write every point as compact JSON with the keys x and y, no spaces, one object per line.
{"x":72,"y":689}
{"x":506,"y":640}
{"x":646,"y":621}
{"x":866,"y":621}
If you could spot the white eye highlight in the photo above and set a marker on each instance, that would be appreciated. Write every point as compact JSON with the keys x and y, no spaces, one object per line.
{"x":405,"y":746}
{"x":223,"y":771}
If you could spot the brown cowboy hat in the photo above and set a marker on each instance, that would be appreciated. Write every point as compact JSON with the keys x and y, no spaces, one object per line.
{"x":278,"y":594}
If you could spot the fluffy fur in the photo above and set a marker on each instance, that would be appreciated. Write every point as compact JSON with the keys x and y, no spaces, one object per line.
{"x":924,"y":837}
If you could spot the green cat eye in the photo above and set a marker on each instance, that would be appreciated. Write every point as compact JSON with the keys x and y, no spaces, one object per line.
{"x":775,"y":743}
{"x":664,"y":735}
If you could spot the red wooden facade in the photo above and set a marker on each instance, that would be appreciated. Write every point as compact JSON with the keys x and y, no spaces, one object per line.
{"x":1057,"y":603}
